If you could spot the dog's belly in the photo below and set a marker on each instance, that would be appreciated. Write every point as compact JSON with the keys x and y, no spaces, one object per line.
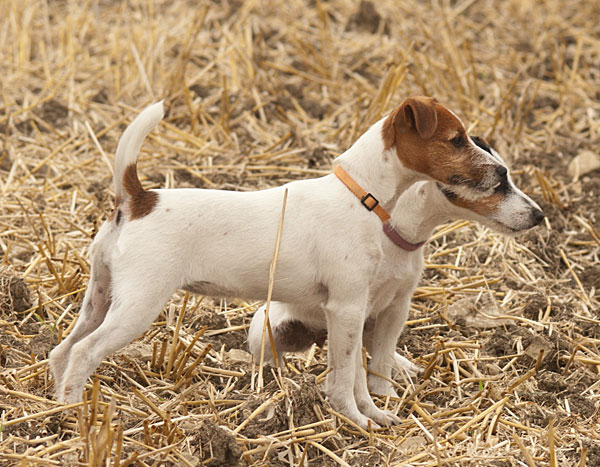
{"x":209,"y":288}
{"x":315,"y":294}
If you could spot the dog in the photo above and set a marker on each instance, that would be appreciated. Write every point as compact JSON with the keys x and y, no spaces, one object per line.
{"x":221,"y":243}
{"x":295,"y":326}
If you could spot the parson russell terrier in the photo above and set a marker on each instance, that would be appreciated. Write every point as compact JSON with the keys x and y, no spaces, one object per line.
{"x":423,"y":206}
{"x":221,"y":243}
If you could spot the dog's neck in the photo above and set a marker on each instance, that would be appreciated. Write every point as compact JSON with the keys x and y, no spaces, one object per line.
{"x":378,"y":171}
{"x":419,"y":210}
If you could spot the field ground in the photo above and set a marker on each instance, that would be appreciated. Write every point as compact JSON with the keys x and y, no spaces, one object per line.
{"x":261,"y":93}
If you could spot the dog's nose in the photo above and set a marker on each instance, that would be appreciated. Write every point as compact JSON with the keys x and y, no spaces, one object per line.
{"x":501,"y":170}
{"x":538,"y":216}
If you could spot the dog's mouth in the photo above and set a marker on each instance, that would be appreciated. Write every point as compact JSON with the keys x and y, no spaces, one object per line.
{"x":503,"y":228}
{"x":470,"y":189}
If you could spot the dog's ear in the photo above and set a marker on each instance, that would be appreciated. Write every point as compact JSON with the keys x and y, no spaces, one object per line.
{"x":419,"y":114}
{"x":414,"y":114}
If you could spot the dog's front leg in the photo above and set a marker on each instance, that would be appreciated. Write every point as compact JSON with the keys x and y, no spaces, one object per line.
{"x":346,"y":378}
{"x":363,"y":398}
{"x":381,"y":343}
{"x":344,"y":324}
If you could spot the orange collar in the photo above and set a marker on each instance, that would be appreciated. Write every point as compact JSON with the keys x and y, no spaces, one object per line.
{"x":372,"y":204}
{"x":367,"y":199}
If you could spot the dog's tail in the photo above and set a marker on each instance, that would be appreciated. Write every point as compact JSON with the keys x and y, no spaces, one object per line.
{"x":127,"y":183}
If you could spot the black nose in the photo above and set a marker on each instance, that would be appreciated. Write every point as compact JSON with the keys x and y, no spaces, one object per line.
{"x":538,"y":216}
{"x":501,"y":170}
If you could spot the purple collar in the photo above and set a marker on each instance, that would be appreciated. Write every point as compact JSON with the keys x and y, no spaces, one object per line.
{"x":397,"y":239}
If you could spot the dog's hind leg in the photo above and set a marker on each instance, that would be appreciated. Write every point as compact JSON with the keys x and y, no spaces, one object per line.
{"x":96,"y":302}
{"x":363,"y":398}
{"x":136,"y":304}
{"x":255,"y":333}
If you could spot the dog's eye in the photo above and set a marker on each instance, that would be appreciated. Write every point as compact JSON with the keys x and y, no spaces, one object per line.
{"x":457,"y":141}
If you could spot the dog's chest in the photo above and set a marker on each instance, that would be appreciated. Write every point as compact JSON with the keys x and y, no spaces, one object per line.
{"x":398,"y":273}
{"x":401,"y":266}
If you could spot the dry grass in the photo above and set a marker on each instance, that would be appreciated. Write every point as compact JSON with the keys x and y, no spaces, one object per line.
{"x":261,"y":93}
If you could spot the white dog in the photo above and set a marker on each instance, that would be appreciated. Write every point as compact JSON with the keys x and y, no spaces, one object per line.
{"x":221,"y":243}
{"x":296,"y":326}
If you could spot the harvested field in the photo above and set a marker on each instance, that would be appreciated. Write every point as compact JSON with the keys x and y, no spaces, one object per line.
{"x":261,"y":93}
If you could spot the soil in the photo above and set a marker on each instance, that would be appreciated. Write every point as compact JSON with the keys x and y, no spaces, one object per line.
{"x":215,"y":446}
{"x":14,"y":294}
{"x":366,"y":19}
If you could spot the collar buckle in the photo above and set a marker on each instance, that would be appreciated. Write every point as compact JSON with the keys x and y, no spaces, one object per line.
{"x":369,"y":198}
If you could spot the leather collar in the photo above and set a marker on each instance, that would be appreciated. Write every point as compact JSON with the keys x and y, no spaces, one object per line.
{"x":372,"y":204}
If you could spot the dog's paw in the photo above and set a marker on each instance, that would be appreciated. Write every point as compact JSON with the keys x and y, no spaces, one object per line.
{"x":405,"y":365}
{"x":357,"y":417}
{"x":59,"y":396}
{"x":69,"y":396}
{"x":390,"y":418}
{"x":366,"y":423}
{"x":383,"y":417}
{"x":348,"y":407}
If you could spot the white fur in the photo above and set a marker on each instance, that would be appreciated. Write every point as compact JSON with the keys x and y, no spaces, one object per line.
{"x":418,"y":211}
{"x":131,"y":141}
{"x":221,"y":243}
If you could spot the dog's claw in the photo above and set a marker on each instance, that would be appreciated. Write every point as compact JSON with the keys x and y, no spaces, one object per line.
{"x":389,"y":418}
{"x":380,"y":417}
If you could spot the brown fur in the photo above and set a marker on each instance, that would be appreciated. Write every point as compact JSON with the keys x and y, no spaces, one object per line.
{"x":142,"y":202}
{"x":421,"y":129}
{"x":294,"y":336}
{"x":483,"y":206}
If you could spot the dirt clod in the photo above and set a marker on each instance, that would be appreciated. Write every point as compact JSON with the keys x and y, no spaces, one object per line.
{"x":366,"y":18}
{"x":14,"y":294}
{"x":216,"y":446}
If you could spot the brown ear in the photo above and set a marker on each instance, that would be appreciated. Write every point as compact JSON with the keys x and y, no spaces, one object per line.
{"x":416,"y":114}
{"x":419,"y":114}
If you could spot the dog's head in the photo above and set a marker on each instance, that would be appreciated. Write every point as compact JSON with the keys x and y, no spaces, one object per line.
{"x":507,"y":209}
{"x":431,"y":140}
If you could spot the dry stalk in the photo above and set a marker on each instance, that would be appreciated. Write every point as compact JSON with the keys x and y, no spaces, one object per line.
{"x":267,"y":323}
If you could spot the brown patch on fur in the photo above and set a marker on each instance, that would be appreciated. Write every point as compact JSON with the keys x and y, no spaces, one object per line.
{"x":421,"y":129}
{"x":142,"y":202}
{"x":294,"y":336}
{"x":415,"y":113}
{"x":483,"y":207}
